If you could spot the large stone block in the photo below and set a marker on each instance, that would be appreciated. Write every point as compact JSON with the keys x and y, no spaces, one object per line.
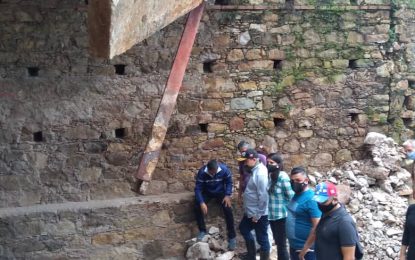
{"x":242,"y":103}
{"x":115,"y":26}
{"x":235,"y":55}
{"x":90,"y":174}
{"x":112,"y":238}
{"x":249,"y":85}
{"x":212,"y":105}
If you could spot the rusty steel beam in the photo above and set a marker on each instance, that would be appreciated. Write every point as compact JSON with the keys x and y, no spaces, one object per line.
{"x":161,"y":122}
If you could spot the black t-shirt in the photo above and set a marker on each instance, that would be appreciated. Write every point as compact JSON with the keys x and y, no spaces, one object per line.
{"x":334,"y":231}
{"x":408,"y":238}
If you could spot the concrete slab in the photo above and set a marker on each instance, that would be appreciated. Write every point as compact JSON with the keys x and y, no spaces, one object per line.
{"x":115,"y":26}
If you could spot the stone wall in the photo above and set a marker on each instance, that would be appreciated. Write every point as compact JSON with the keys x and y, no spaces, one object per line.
{"x":154,"y":227}
{"x":305,"y":82}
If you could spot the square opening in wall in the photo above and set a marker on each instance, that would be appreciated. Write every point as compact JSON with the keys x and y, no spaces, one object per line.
{"x":277,"y":65}
{"x":208,"y":66}
{"x":120,"y":133}
{"x":38,"y":136}
{"x":352,"y":64}
{"x":279,"y":122}
{"x":222,"y":2}
{"x":203,"y":128}
{"x":407,"y":122}
{"x":33,"y":71}
{"x":411,"y":84}
{"x":354,"y":117}
{"x":407,"y":102}
{"x":120,"y":69}
{"x":353,"y":2}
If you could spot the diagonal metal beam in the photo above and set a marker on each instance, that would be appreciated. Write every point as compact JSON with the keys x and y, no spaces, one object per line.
{"x":151,"y":154}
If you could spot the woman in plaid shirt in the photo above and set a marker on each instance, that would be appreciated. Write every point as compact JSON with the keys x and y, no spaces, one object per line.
{"x":280,"y":193}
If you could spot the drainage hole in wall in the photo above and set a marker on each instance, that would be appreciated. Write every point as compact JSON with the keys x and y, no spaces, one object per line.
{"x":120,"y":69}
{"x":38,"y":136}
{"x":203,"y":128}
{"x":120,"y":133}
{"x":33,"y":71}
{"x":279,"y":122}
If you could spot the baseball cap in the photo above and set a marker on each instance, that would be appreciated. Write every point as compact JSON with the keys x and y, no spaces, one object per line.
{"x":324,"y":191}
{"x":248,"y":154}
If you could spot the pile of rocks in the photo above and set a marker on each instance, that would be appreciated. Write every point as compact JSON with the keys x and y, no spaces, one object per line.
{"x":212,"y":246}
{"x":372,"y":190}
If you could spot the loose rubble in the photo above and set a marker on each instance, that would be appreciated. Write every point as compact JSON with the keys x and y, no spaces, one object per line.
{"x":212,"y":246}
{"x":372,"y":191}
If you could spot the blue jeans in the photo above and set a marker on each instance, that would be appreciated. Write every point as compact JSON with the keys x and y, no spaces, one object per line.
{"x":309,"y":256}
{"x":227,"y":211}
{"x":261,"y":228}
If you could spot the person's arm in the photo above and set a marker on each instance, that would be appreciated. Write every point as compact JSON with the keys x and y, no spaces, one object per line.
{"x":228,"y":187}
{"x":310,"y":239}
{"x":405,"y":238}
{"x":286,"y":188}
{"x":262,"y":185}
{"x":228,"y":182}
{"x":241,"y":184}
{"x":348,"y":252}
{"x":199,"y":186}
{"x":413,"y":180}
{"x":348,"y":238}
{"x":402,"y":253}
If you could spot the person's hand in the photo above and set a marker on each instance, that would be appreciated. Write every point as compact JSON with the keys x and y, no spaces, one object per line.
{"x":254,"y":220}
{"x":302,"y":254}
{"x":227,"y":201}
{"x":413,"y":194}
{"x":204,"y":208}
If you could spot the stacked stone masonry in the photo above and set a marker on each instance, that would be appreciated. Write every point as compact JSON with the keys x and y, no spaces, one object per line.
{"x":148,"y":228}
{"x":306,"y":82}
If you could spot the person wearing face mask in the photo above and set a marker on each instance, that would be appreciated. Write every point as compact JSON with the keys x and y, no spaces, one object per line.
{"x":409,"y":147}
{"x":407,"y":251}
{"x":255,"y":200}
{"x":303,"y":217}
{"x":214,"y":182}
{"x":336,"y":234}
{"x":280,"y":193}
{"x":243,"y":171}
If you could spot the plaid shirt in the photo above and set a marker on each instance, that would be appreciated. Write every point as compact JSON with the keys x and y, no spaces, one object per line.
{"x":279,"y":197}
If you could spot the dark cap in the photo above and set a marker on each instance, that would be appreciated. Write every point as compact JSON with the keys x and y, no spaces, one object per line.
{"x":248,"y":154}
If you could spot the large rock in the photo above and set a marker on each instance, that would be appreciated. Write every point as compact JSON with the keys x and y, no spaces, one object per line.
{"x":242,"y":103}
{"x":199,"y":250}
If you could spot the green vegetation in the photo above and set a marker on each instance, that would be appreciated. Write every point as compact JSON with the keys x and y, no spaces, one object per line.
{"x":397,"y":3}
{"x":287,"y":109}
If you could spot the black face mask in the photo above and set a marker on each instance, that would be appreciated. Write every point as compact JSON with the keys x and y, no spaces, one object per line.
{"x":326,"y":208}
{"x":272,"y":168}
{"x":298,"y":187}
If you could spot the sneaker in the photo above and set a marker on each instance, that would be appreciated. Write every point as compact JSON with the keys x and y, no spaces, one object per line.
{"x":232,"y":244}
{"x":200,"y":236}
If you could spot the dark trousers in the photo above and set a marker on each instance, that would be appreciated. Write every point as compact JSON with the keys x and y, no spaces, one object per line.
{"x":227,"y":211}
{"x":309,"y":256}
{"x":261,"y":228}
{"x":280,"y":238}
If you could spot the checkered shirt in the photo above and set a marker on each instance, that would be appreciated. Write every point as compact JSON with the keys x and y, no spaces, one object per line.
{"x":279,"y":197}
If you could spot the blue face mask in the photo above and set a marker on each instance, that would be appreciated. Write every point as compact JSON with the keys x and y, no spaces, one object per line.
{"x":411,"y":155}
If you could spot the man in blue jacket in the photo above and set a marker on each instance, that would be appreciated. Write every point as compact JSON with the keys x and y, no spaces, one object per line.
{"x":214,"y":181}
